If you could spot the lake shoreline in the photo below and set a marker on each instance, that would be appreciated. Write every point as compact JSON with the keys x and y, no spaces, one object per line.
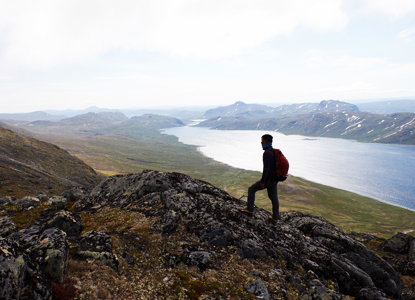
{"x":377,"y":198}
{"x":339,"y":188}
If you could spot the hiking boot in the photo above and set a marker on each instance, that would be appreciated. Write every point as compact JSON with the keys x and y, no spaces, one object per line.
{"x":247,"y":212}
{"x":273,"y":220}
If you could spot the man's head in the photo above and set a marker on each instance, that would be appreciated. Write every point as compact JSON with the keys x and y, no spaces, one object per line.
{"x":266,"y":139}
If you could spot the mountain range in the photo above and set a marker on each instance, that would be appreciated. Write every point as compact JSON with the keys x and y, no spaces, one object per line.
{"x":327,"y":118}
{"x":382,"y":121}
{"x":241,"y":109}
{"x":91,"y":122}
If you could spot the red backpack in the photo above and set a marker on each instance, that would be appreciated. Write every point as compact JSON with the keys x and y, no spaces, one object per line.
{"x":282,"y":165}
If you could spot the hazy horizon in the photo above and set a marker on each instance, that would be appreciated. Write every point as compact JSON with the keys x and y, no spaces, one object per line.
{"x":195,"y":107}
{"x":71,"y":55}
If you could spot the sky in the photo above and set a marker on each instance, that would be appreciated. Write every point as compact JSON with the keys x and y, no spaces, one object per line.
{"x":163,"y":53}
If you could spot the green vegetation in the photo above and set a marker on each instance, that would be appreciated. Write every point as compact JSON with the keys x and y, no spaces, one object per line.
{"x":134,"y":148}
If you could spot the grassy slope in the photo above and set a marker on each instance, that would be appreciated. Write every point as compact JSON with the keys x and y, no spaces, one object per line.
{"x":138,"y":148}
{"x":28,"y":165}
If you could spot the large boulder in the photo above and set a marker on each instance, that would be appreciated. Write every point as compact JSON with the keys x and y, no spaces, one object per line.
{"x":399,"y":243}
{"x":30,"y":259}
{"x":66,"y":221}
{"x":50,"y":253}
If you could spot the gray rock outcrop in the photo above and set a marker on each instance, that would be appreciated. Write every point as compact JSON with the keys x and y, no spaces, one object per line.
{"x":213,"y":216}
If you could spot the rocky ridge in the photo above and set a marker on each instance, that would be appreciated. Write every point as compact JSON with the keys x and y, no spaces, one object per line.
{"x":194,"y":240}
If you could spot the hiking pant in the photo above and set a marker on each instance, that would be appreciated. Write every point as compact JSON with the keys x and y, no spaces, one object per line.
{"x":272,"y":194}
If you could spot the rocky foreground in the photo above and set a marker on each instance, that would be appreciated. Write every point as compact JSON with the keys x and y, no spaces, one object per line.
{"x":168,"y":236}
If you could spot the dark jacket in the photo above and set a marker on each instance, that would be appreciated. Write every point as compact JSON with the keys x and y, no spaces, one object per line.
{"x":268,"y":173}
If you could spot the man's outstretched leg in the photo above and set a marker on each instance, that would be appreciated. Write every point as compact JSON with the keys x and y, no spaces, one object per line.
{"x":251,"y":197}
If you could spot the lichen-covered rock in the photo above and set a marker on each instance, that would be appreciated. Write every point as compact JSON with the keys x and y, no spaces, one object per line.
{"x":251,"y":249}
{"x":7,"y":226}
{"x":29,"y":260}
{"x":98,"y":241}
{"x":258,"y":288}
{"x":336,"y":253}
{"x":66,"y":221}
{"x":28,"y":202}
{"x":27,"y":237}
{"x":12,"y":271}
{"x":58,"y":201}
{"x":106,"y":257}
{"x":51,"y":253}
{"x":200,"y":259}
{"x":98,"y":245}
{"x":213,"y":216}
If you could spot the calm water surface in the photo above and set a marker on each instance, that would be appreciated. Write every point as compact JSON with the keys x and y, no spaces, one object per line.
{"x":382,"y":171}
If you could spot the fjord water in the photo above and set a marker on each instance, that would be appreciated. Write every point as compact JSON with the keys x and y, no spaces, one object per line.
{"x":382,"y":171}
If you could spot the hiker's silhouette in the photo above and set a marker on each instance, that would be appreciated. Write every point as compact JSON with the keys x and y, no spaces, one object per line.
{"x":269,"y":179}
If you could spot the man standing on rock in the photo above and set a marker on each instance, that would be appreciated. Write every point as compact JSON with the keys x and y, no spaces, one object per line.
{"x":269,"y":180}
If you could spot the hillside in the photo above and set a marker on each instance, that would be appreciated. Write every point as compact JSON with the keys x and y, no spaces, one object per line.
{"x":396,"y":128}
{"x":153,"y":121}
{"x":28,"y":165}
{"x":154,"y":235}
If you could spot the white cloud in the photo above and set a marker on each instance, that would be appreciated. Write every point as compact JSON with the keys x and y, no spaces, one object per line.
{"x":407,"y":34}
{"x":346,"y":62}
{"x":359,"y":63}
{"x":49,"y":32}
{"x":392,"y":8}
{"x":5,"y":77}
